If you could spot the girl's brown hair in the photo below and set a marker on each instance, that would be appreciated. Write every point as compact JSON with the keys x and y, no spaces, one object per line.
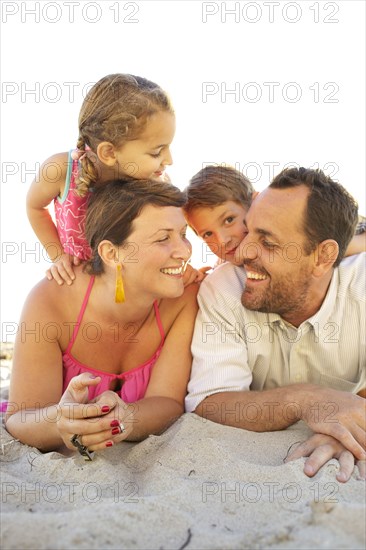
{"x":115,"y":109}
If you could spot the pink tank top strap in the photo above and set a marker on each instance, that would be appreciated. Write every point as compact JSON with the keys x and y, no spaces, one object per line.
{"x":81,"y":313}
{"x":158,"y":320}
{"x":74,"y":173}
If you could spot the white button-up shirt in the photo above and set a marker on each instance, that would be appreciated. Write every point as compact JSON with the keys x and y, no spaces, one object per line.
{"x":236,"y":349}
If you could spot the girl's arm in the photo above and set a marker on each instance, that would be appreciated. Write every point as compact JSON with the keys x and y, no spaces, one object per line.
{"x":48,"y":184}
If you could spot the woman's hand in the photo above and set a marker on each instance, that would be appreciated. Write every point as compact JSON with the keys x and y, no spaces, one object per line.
{"x":320,"y":448}
{"x":98,"y":424}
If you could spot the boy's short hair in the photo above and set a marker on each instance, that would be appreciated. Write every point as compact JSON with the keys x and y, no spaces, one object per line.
{"x":214,"y":185}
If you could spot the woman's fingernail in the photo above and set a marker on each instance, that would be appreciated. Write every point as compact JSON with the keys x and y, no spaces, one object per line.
{"x":92,"y":376}
{"x":116,"y":431}
{"x":114,"y":423}
{"x":109,"y":444}
{"x":105,"y":409}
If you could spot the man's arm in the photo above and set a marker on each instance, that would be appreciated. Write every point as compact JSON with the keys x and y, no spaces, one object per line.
{"x":341,"y":415}
{"x":220,"y":359}
{"x":258,"y":411}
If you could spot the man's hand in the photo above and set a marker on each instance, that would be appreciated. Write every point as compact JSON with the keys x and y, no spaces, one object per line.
{"x":319,"y":449}
{"x":339,"y":414}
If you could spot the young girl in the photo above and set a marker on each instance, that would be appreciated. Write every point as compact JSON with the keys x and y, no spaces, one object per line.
{"x":126,"y":126}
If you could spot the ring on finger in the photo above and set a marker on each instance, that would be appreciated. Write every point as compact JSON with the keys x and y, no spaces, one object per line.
{"x":83,"y":450}
{"x":122,"y":427}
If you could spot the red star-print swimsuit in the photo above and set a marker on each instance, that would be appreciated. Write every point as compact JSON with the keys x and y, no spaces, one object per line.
{"x":70,"y":211}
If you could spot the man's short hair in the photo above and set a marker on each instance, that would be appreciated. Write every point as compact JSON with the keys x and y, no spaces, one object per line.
{"x":331,"y":212}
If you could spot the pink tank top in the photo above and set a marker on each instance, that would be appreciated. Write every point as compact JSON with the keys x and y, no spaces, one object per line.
{"x":134,"y":382}
{"x":70,"y":212}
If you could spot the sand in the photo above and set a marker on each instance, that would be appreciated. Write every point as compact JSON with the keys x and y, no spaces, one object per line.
{"x":197,"y":486}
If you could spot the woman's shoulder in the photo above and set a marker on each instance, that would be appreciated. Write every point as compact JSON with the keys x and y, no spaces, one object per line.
{"x":48,"y":300}
{"x":187,"y":302}
{"x":190,"y":293}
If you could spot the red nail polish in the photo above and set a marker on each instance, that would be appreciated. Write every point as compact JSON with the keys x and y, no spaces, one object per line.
{"x":116,"y":431}
{"x":114,"y":423}
{"x":105,"y":409}
{"x":109,"y":444}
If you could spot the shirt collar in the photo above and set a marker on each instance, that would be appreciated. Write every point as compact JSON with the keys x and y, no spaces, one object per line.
{"x":321,"y":317}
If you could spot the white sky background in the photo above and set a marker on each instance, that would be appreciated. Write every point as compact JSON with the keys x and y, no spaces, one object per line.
{"x":296,"y":71}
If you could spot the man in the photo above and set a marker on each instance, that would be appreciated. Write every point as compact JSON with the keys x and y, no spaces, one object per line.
{"x":297,"y":339}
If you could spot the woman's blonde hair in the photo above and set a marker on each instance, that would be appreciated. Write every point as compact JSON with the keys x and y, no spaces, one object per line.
{"x":115,"y":109}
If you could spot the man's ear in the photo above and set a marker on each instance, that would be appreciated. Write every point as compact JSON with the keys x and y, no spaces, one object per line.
{"x":108,"y":253}
{"x":325,"y":255}
{"x":255,"y":194}
{"x":106,"y":153}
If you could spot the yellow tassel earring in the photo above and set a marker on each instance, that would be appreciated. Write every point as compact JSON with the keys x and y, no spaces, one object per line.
{"x":119,"y":296}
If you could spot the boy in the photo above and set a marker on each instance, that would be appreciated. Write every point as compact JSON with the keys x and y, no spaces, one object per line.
{"x":218,"y":198}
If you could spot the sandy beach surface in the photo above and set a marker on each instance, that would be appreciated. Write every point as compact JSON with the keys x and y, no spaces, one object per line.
{"x":197,"y":486}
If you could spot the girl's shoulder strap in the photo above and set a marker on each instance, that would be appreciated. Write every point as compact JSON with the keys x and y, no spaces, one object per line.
{"x":72,"y":168}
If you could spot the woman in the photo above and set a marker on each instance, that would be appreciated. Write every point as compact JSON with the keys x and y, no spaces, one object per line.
{"x":92,"y":368}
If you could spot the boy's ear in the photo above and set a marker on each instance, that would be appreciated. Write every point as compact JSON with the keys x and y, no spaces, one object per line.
{"x":255,"y":194}
{"x":106,"y":153}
